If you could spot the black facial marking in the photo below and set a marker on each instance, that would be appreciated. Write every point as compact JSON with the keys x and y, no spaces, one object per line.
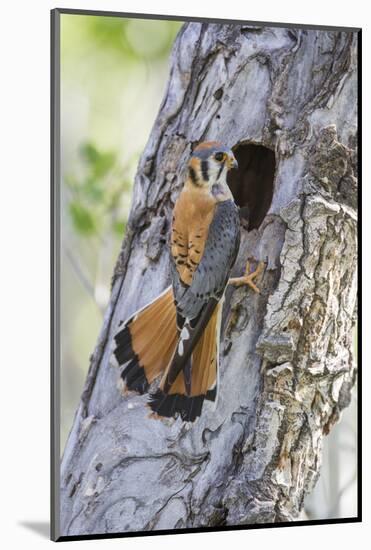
{"x":220,"y":169}
{"x":205,"y":170}
{"x":192,"y":175}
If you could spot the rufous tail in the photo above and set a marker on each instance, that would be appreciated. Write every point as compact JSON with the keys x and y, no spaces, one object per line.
{"x":184,"y":398}
{"x":146,"y":343}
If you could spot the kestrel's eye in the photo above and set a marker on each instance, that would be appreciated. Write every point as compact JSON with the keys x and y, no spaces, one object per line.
{"x":219,"y":156}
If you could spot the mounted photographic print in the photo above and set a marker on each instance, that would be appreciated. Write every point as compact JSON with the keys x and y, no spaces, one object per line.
{"x":204,"y":274}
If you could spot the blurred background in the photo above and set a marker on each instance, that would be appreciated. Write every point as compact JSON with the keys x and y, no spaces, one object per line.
{"x":113,"y":77}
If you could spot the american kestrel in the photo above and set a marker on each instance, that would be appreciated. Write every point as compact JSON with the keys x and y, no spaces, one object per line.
{"x":176,"y":336}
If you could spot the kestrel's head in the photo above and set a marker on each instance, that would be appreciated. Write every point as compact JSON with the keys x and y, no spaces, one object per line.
{"x":210,"y":163}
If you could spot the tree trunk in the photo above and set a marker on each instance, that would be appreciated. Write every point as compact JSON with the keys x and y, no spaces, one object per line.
{"x":286,"y":100}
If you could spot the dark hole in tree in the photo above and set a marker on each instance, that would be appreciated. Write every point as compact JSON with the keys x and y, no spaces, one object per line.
{"x":252,"y":183}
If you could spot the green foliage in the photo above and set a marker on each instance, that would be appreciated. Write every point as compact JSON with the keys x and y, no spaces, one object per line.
{"x":82,"y":218}
{"x":99,"y":164}
{"x":130,"y":38}
{"x":95,"y":198}
{"x":119,"y":228}
{"x":113,"y":74}
{"x":111,"y":70}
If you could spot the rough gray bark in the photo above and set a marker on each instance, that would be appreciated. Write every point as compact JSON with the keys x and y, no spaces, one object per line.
{"x":286,"y":354}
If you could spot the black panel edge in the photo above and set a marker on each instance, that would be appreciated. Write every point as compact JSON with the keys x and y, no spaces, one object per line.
{"x":188,"y":18}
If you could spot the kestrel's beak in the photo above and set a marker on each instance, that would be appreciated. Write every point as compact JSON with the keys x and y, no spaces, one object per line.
{"x":232,"y":163}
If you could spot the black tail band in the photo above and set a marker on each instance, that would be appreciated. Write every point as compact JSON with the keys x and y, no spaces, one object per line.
{"x":189,"y":408}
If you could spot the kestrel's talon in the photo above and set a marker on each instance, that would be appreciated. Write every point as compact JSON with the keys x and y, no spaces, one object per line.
{"x":247,"y":279}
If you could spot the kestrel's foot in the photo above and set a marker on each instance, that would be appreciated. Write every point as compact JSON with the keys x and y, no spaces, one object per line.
{"x":247,"y":279}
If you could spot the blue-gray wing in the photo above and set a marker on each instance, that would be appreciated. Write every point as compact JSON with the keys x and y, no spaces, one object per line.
{"x":196,"y":303}
{"x":212,"y":273}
